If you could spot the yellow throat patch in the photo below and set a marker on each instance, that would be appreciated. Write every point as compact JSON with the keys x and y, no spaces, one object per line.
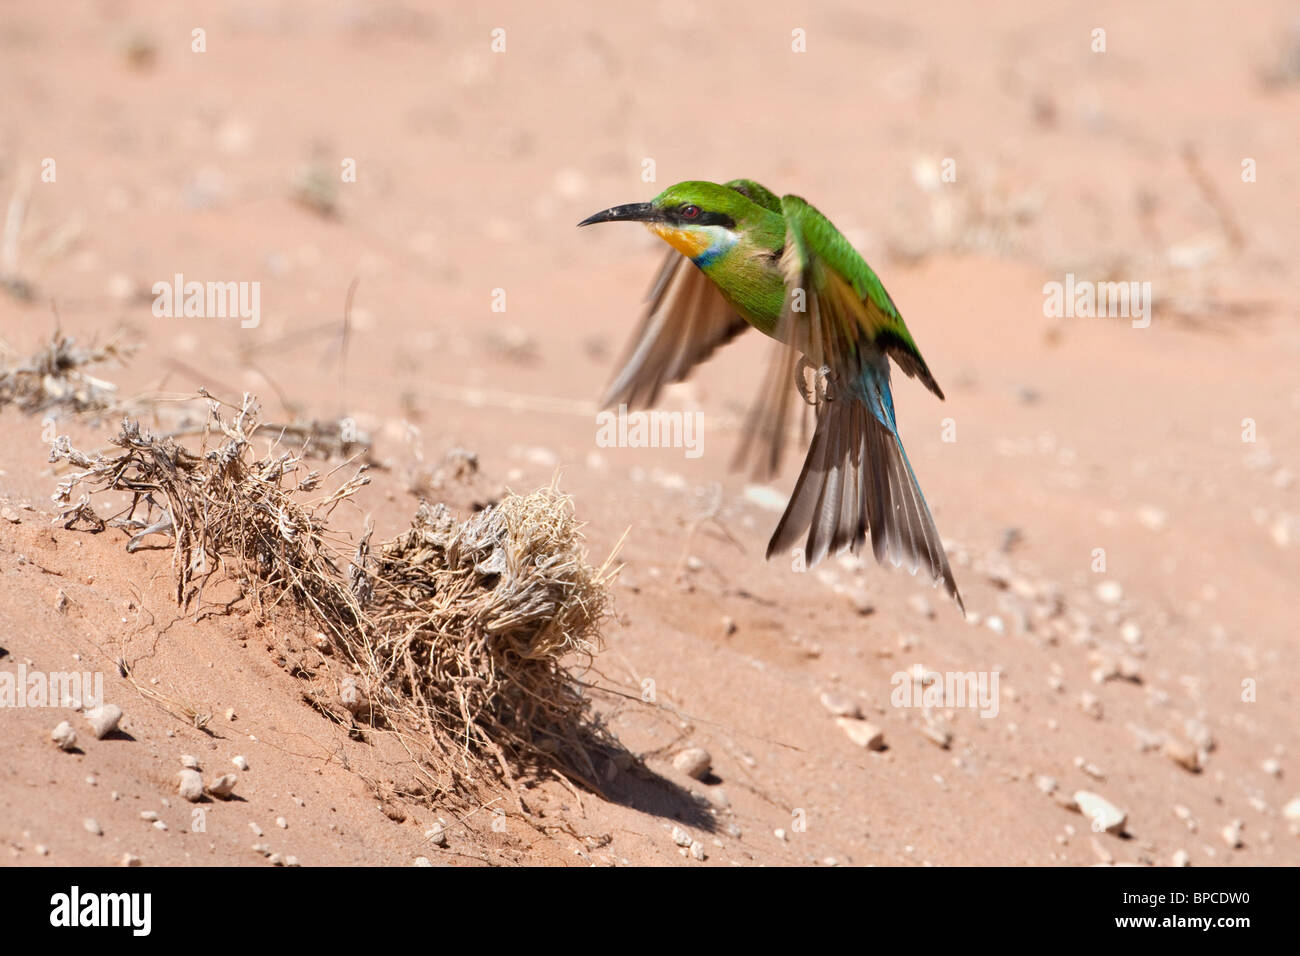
{"x":689,"y":242}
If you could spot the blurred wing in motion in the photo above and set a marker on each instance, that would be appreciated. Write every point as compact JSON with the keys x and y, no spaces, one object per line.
{"x":856,"y":478}
{"x":686,"y":319}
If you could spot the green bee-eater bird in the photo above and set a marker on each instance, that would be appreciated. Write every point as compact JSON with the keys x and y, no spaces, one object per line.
{"x":777,"y":264}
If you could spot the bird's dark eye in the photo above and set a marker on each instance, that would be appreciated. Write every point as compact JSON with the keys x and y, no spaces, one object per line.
{"x":689,"y":212}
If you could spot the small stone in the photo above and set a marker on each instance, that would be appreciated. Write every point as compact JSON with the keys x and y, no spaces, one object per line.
{"x":695,"y":762}
{"x":1045,"y":783}
{"x":189,"y":785}
{"x":1130,"y":668}
{"x":189,"y":762}
{"x":257,"y":831}
{"x":231,"y":715}
{"x":1292,"y":810}
{"x":937,"y":735}
{"x":1103,"y":814}
{"x":92,"y":826}
{"x":64,"y":737}
{"x":282,"y":823}
{"x":149,"y":816}
{"x":1152,"y":518}
{"x":681,"y":837}
{"x":240,"y":763}
{"x":1109,"y":592}
{"x":291,"y":861}
{"x":352,"y":696}
{"x":9,"y":514}
{"x":1183,"y":754}
{"x":1200,"y":735}
{"x":840,"y":705}
{"x":861,"y":600}
{"x":130,"y":859}
{"x":275,"y":859}
{"x":1090,"y":704}
{"x":728,"y":626}
{"x":1130,"y":632}
{"x":697,"y":850}
{"x":1181,"y":858}
{"x":422,"y":861}
{"x":41,"y":849}
{"x":1272,"y":766}
{"x":103,"y":719}
{"x":779,"y":833}
{"x":437,"y":835}
{"x":223,"y":786}
{"x":1232,"y":834}
{"x":862,"y":733}
{"x":160,"y":825}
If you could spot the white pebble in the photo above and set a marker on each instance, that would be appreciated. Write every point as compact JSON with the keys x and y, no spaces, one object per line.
{"x":223,"y":786}
{"x":92,"y":826}
{"x":1103,"y":814}
{"x":862,"y":733}
{"x":1232,"y":834}
{"x":189,"y":785}
{"x":1109,"y":592}
{"x":1292,"y":810}
{"x":695,"y":762}
{"x":1185,"y":755}
{"x":64,"y":737}
{"x":937,"y":735}
{"x":103,"y":719}
{"x":240,"y":763}
{"x":840,"y":706}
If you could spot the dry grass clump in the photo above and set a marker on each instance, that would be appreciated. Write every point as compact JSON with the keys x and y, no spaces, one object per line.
{"x":55,"y":377}
{"x":477,"y":617}
{"x":460,"y":630}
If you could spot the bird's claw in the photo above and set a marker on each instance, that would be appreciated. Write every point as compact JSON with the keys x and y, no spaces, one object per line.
{"x":816,"y":391}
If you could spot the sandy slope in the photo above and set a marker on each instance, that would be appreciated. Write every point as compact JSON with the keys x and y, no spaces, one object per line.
{"x":1079,"y":433}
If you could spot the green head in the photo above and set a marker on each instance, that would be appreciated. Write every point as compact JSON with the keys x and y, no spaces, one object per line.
{"x":701,"y":220}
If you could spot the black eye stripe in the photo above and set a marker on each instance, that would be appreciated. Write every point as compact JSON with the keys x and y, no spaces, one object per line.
{"x":704,"y":218}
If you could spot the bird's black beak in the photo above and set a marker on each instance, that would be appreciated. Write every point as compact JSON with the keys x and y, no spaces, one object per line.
{"x":632,"y":212}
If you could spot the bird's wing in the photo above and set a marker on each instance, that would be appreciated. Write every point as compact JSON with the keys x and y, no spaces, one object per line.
{"x":856,"y":477}
{"x":756,"y":192}
{"x":857,"y":292}
{"x":685,"y":320}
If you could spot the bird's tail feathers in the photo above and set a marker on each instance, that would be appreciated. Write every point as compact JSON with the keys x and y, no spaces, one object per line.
{"x":857,"y":479}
